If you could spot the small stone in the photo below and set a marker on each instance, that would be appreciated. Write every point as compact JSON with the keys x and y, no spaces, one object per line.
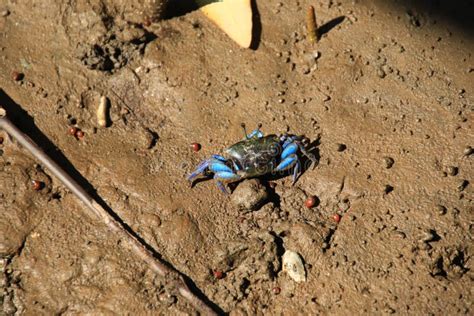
{"x":249,"y":195}
{"x":388,"y":162}
{"x":468,"y":151}
{"x":218,"y":274}
{"x":381,"y":73}
{"x":452,"y":171}
{"x":311,"y":201}
{"x":293,"y":266}
{"x":5,"y":13}
{"x":37,"y":185}
{"x":441,"y":209}
{"x":17,"y":76}
{"x":196,"y":147}
{"x":341,"y":147}
{"x":72,"y":130}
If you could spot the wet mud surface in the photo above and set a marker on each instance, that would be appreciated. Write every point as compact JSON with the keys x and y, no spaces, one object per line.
{"x":385,"y":95}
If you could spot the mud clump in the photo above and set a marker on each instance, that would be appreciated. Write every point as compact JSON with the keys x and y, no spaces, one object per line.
{"x":250,"y":195}
{"x":116,"y":49}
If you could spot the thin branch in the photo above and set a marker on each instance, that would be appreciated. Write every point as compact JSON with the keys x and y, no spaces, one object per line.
{"x":174,"y":278}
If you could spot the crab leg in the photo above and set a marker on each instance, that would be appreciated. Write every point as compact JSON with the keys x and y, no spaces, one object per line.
{"x":223,"y":177}
{"x":288,"y":163}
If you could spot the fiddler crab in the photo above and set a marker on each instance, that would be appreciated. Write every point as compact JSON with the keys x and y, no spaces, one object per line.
{"x":255,"y":156}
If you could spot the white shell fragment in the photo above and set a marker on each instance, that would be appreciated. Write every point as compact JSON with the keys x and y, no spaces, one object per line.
{"x":102,"y":111}
{"x":293,"y":266}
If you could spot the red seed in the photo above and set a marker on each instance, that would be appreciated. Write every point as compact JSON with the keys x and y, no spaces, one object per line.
{"x":72,"y":130}
{"x":337,"y":218}
{"x":276,"y":290}
{"x":196,"y":147}
{"x":79,"y":134}
{"x":218,"y":274}
{"x":147,"y":21}
{"x":17,"y":76}
{"x":37,"y":185}
{"x":310,"y":201}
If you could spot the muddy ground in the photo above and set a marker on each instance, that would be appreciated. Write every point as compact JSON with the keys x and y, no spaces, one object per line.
{"x":386,"y":95}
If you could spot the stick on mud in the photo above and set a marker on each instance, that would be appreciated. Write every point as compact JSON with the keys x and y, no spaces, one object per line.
{"x":171,"y":276}
{"x":311,"y":25}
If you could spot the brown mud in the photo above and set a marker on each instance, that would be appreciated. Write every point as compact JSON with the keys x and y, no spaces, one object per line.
{"x":386,"y":95}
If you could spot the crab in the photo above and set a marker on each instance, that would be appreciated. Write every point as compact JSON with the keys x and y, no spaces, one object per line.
{"x":255,"y":156}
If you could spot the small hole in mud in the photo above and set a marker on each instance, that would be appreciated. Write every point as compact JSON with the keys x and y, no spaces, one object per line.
{"x":56,"y":196}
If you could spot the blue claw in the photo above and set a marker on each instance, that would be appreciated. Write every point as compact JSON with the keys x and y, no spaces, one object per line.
{"x":200,"y":169}
{"x":219,"y":157}
{"x":225,"y":176}
{"x":289,"y":150}
{"x":217,"y":166}
{"x":287,"y":163}
{"x":287,"y":140}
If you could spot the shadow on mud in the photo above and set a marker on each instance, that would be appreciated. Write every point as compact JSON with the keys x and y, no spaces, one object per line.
{"x":26,"y":124}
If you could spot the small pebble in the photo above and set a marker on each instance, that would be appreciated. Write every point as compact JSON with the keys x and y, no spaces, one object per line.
{"x":441,"y":209}
{"x":218,"y":274}
{"x":293,"y":266}
{"x":336,"y":218}
{"x":17,"y":76}
{"x":196,"y":147}
{"x":341,"y":147}
{"x":452,"y":171}
{"x":249,"y":195}
{"x":388,"y":162}
{"x":37,"y":185}
{"x":468,"y":151}
{"x":311,"y":201}
{"x":381,"y":73}
{"x":5,"y":13}
{"x":72,"y":130}
{"x":429,"y":235}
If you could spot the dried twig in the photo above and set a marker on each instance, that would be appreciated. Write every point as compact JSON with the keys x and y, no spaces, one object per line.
{"x":174,"y":278}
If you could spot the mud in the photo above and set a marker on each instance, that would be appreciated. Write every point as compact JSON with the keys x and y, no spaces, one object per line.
{"x":385,"y":96}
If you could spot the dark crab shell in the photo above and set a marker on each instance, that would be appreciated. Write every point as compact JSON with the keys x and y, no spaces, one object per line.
{"x":255,"y":156}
